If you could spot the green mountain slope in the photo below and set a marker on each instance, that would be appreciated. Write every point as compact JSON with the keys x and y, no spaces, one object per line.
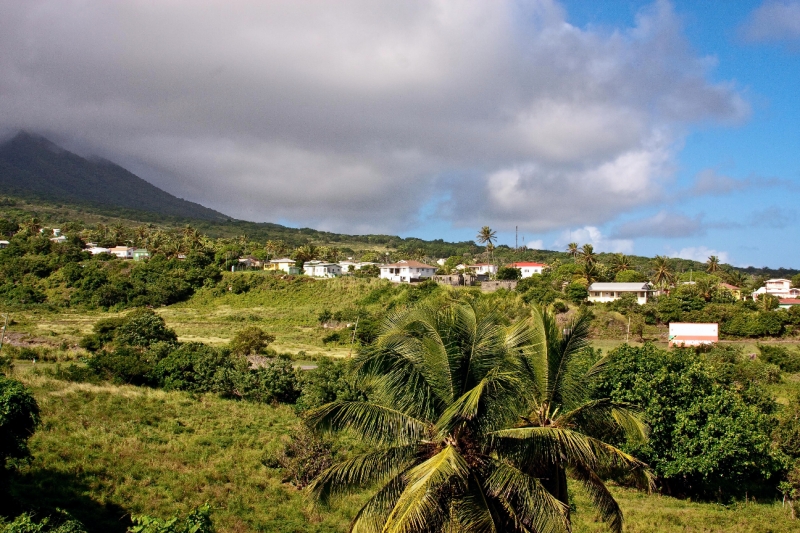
{"x":33,"y":167}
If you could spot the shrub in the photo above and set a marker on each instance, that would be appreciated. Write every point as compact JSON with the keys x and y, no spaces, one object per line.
{"x":274,"y":381}
{"x":788,"y":360}
{"x":19,"y":417}
{"x":198,"y":521}
{"x":196,"y":367}
{"x":62,"y":522}
{"x":509,"y":273}
{"x":122,"y":365}
{"x":629,"y":276}
{"x":142,"y":328}
{"x":251,"y":340}
{"x":560,"y":307}
{"x":328,"y":382}
{"x":576,"y":292}
{"x":305,"y":457}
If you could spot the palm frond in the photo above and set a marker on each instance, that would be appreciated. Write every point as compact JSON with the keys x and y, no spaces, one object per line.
{"x":361,"y":470}
{"x":372,"y":422}
{"x":372,"y":516}
{"x":544,"y":445}
{"x":602,"y":499}
{"x":421,"y":503}
{"x":533,"y":505}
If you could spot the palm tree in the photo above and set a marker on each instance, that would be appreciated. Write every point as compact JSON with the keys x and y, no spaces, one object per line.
{"x":572,"y":249}
{"x":620,"y":262}
{"x":662,"y":272}
{"x":706,"y":287}
{"x":475,"y":425}
{"x":487,"y":236}
{"x":588,"y":257}
{"x":712,"y":265}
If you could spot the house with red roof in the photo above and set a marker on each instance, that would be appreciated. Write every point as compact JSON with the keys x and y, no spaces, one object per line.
{"x":527,"y":268}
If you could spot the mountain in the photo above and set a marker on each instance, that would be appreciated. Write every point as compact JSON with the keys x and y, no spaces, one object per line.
{"x":33,"y":167}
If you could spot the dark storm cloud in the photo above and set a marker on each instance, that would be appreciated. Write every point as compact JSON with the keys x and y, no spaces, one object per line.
{"x":353,"y":115}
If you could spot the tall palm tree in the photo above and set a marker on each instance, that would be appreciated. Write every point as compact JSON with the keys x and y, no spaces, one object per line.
{"x":475,"y":425}
{"x":712,"y":265}
{"x":662,"y":272}
{"x":487,"y":236}
{"x":572,"y":249}
{"x":706,"y":287}
{"x":620,"y":262}
{"x":588,"y":257}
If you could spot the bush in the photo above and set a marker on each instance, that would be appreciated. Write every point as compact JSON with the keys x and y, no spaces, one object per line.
{"x":196,"y":367}
{"x":560,"y":307}
{"x":62,"y":522}
{"x":125,"y":364}
{"x":329,"y":382}
{"x":275,"y":381}
{"x":198,"y":521}
{"x":19,"y":417}
{"x":630,"y":276}
{"x":788,"y":360}
{"x":251,"y":340}
{"x":576,"y":292}
{"x":143,"y":327}
{"x":305,"y":457}
{"x":509,"y":273}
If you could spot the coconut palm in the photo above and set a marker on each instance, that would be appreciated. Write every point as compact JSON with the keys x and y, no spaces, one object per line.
{"x":662,"y":272}
{"x":712,"y":265}
{"x":573,"y":250}
{"x":588,"y":257}
{"x":475,"y":425}
{"x":706,"y":287}
{"x":620,"y":262}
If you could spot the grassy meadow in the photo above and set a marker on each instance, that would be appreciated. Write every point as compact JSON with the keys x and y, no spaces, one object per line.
{"x":104,"y":452}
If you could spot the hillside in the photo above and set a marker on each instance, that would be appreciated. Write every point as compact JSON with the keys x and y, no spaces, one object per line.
{"x":33,"y":167}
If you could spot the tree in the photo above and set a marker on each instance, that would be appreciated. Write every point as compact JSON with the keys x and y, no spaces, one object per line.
{"x":620,"y":263}
{"x":712,"y":264}
{"x":588,"y":257}
{"x":487,"y":236}
{"x":662,"y":272}
{"x":19,"y":417}
{"x":476,"y":425}
{"x":251,"y":340}
{"x":629,"y":276}
{"x":572,"y":249}
{"x":508,"y":273}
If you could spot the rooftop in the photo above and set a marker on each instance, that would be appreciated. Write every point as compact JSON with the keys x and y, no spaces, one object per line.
{"x":614,"y":286}
{"x":409,"y":264}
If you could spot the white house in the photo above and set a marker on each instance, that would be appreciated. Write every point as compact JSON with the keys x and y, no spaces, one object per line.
{"x":482,"y":268}
{"x":321,"y":269}
{"x":94,"y":250}
{"x":527,"y":268}
{"x":608,"y":292}
{"x":285,"y":264}
{"x":357,"y":265}
{"x":123,"y":252}
{"x":782,"y":288}
{"x":3,"y":244}
{"x":61,"y":239}
{"x":407,"y":271}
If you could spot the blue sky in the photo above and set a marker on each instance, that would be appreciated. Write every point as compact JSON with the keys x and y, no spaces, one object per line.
{"x":660,"y":127}
{"x":756,"y":223}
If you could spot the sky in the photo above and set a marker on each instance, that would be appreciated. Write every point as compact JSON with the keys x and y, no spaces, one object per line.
{"x":640,"y":127}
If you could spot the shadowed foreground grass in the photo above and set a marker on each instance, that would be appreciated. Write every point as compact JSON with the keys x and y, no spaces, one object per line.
{"x":106,"y":451}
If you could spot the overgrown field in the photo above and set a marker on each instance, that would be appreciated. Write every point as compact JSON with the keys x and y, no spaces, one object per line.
{"x":106,"y":451}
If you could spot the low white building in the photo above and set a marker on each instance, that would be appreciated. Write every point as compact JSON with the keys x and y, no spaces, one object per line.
{"x":608,"y":292}
{"x":482,"y":268}
{"x":285,"y":264}
{"x":94,"y":250}
{"x":407,"y":271}
{"x":357,"y":265}
{"x":693,"y":334}
{"x":321,"y":269}
{"x":782,"y":288}
{"x":123,"y":252}
{"x":527,"y":268}
{"x":3,"y":244}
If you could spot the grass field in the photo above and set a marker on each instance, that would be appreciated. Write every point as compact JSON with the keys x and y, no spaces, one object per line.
{"x":104,"y":452}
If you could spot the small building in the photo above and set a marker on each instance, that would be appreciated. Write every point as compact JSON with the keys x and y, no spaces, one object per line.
{"x":407,"y":271}
{"x":482,"y":268}
{"x":788,"y":303}
{"x":4,"y":244}
{"x":733,"y":289}
{"x":782,"y":288}
{"x":250,"y":262}
{"x":351,"y":266}
{"x":693,"y":334}
{"x":123,"y":252}
{"x":59,"y":239}
{"x":527,"y":268}
{"x":94,"y":250}
{"x":321,"y":269}
{"x":610,"y":291}
{"x":285,"y":264}
{"x":140,"y":254}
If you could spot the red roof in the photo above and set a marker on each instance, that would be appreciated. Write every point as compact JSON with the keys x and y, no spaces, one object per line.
{"x":729,"y":286}
{"x":789,"y":301}
{"x":526,"y":264}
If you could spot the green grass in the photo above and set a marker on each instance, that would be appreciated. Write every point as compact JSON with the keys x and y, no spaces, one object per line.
{"x":103,"y":452}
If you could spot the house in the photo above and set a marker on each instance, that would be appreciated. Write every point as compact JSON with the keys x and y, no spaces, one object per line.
{"x":787,"y":303}
{"x":608,"y":292}
{"x":60,"y":239}
{"x":250,"y":262}
{"x":321,"y":269}
{"x":692,"y":334}
{"x":482,"y":268}
{"x":286,"y":265}
{"x":94,"y":250}
{"x":3,"y":244}
{"x":356,"y":265}
{"x":528,"y":269}
{"x":407,"y":271}
{"x":733,"y":289}
{"x":123,"y":252}
{"x":782,"y":288}
{"x":140,"y":254}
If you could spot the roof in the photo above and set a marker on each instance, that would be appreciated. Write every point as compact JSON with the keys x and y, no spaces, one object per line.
{"x":614,"y":286}
{"x":729,"y":286}
{"x":284,"y":260}
{"x":518,"y":264}
{"x":480,"y":265}
{"x":778,"y":279}
{"x":410,"y":264}
{"x":789,"y":301}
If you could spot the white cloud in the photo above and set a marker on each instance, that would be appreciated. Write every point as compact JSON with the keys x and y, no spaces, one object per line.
{"x":353,"y":115}
{"x":662,"y":224}
{"x":774,"y":21}
{"x":536,"y":245}
{"x":700,"y":253}
{"x":592,"y":235}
